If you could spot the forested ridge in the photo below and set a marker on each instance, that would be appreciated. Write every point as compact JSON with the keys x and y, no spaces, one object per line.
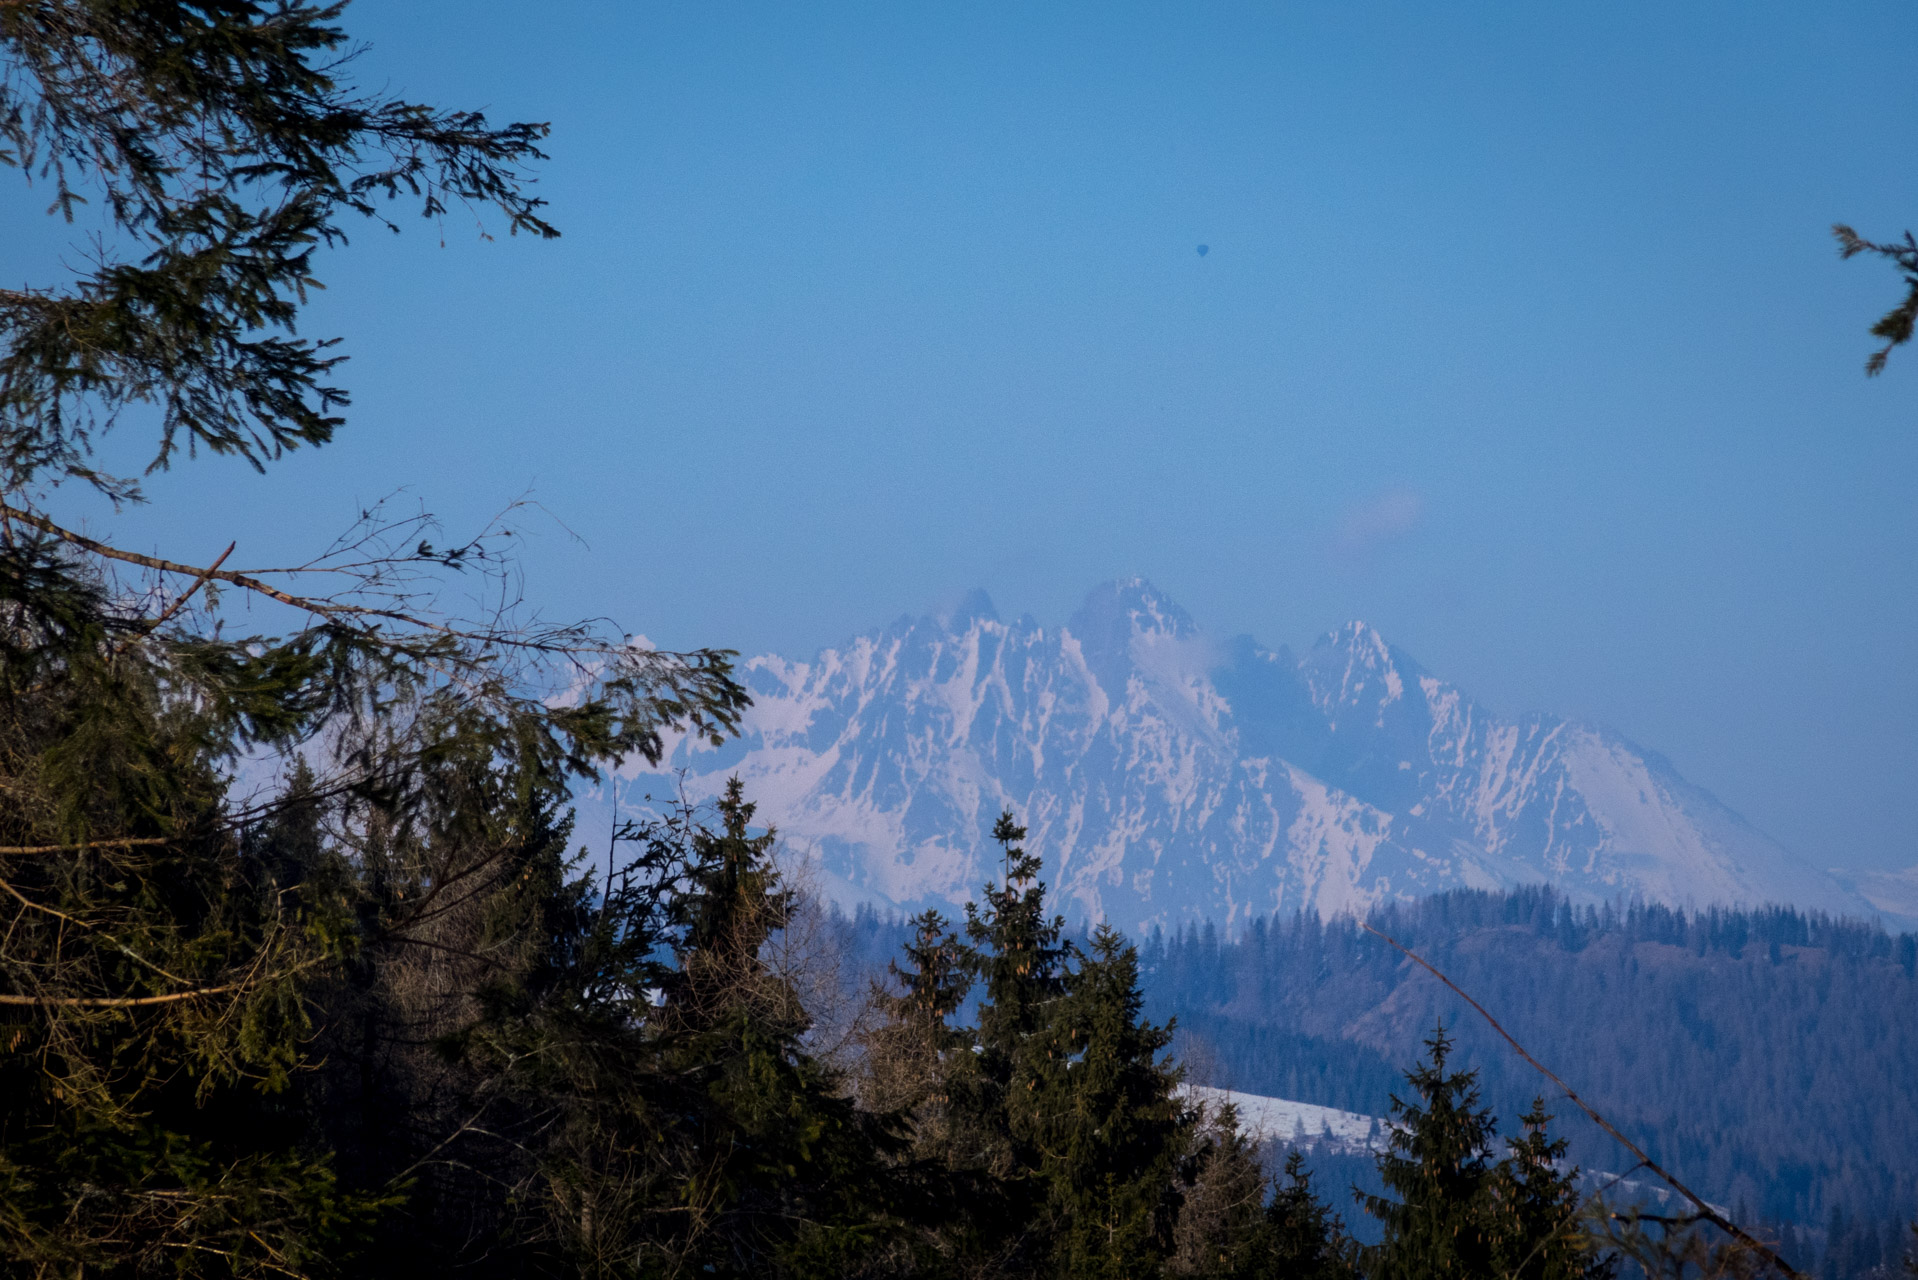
{"x":1765,"y":1055}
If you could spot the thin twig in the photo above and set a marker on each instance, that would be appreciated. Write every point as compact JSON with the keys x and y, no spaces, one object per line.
{"x":198,"y":582}
{"x":1705,"y":1210}
{"x":129,"y":1002}
{"x":567,"y":642}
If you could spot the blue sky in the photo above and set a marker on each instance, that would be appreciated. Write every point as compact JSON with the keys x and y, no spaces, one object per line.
{"x":1520,"y":335}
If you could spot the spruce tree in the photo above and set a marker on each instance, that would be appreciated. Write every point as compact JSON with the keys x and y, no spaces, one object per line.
{"x":1303,"y":1239}
{"x":1003,"y":1093}
{"x":1022,"y":958}
{"x":1442,"y":1224}
{"x":453,"y":1042}
{"x":909,"y":1055}
{"x":1538,"y":1205}
{"x":1217,"y":1235}
{"x":1115,"y":1129}
{"x":1021,"y":954}
{"x":154,"y":978}
{"x":771,"y":1170}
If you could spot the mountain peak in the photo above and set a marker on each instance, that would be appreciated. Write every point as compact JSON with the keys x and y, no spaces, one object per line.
{"x":974,"y":606}
{"x":1358,"y":637}
{"x":1130,"y":606}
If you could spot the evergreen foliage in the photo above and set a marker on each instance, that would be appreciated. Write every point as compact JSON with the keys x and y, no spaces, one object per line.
{"x":911,"y":1051}
{"x":1897,"y":324}
{"x":1120,"y":1130}
{"x":1056,"y":1118}
{"x":763,"y":1163}
{"x":1005,"y":1094}
{"x":1219,"y":1229}
{"x":1442,"y":1224}
{"x":1303,"y":1237}
{"x":1762,"y":1055}
{"x":1538,"y":1205}
{"x":250,"y":1034}
{"x":220,"y":145}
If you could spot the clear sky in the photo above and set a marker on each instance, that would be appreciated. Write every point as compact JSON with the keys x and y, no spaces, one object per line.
{"x":1521,"y":335}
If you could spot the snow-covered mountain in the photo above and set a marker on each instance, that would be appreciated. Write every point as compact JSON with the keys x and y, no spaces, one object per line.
{"x":1166,"y":777}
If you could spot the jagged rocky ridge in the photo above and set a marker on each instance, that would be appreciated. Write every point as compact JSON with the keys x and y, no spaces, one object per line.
{"x":1168,"y":778}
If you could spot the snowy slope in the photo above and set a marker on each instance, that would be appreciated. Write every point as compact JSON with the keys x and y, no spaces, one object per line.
{"x":1294,"y":1124}
{"x":1166,"y":778}
{"x":1308,"y":1127}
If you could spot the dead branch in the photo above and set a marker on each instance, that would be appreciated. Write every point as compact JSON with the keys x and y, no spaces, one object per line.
{"x":122,"y":842}
{"x":116,"y":1002}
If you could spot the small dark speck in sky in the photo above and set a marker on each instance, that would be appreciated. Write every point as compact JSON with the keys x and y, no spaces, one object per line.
{"x":1204,"y":249}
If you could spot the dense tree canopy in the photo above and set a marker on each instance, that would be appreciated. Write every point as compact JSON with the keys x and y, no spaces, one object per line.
{"x":179,"y":953}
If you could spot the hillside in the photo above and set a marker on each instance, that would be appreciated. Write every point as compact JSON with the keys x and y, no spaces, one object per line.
{"x":1764,"y":1056}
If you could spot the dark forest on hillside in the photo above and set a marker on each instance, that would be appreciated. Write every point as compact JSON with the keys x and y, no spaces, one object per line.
{"x":1764,"y":1056}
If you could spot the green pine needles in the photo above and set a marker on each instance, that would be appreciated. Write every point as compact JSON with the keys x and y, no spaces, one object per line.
{"x":1454,"y":1210}
{"x":248,"y":1031}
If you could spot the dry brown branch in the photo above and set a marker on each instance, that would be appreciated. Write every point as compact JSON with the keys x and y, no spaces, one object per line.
{"x":116,"y":1002}
{"x":251,"y":979}
{"x":318,"y":608}
{"x":184,"y":596}
{"x":1705,"y":1210}
{"x":124,"y":842}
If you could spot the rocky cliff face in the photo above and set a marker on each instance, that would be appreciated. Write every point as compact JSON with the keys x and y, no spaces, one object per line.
{"x":1168,"y":778}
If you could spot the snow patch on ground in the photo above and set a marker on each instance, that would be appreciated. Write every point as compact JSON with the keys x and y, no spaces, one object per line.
{"x":1263,"y":1119}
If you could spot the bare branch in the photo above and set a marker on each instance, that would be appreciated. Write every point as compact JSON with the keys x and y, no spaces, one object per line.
{"x":80,"y":847}
{"x":115,"y":1002}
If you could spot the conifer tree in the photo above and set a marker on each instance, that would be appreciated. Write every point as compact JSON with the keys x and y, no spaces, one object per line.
{"x":1442,"y":1225}
{"x":1002,"y":1094}
{"x":772,"y":1170}
{"x":1022,"y":958}
{"x":1020,"y":950}
{"x":1303,"y":1239}
{"x":173,"y":956}
{"x":1538,"y":1206}
{"x":1117,"y":1131}
{"x":474,"y":1035}
{"x":153,"y":978}
{"x":909,"y":1055}
{"x":1220,"y":1227}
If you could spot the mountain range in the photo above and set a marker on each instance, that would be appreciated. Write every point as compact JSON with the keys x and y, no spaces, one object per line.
{"x":1167,"y":777}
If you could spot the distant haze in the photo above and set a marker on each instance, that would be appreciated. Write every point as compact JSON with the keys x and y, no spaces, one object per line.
{"x":1518,"y":333}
